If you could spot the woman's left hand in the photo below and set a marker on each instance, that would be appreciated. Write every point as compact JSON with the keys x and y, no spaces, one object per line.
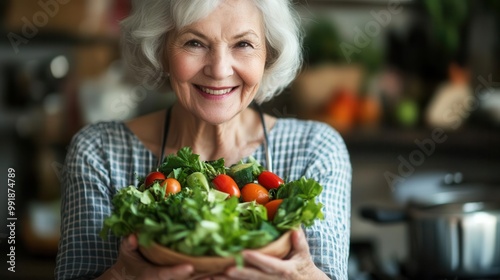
{"x":298,"y":265}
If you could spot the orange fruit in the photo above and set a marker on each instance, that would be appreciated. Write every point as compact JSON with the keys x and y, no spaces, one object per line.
{"x":252,"y":191}
{"x":272,"y":207}
{"x":342,"y":110}
{"x":369,"y":111}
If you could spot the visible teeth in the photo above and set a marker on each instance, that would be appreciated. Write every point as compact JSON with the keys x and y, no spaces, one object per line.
{"x":216,"y":92}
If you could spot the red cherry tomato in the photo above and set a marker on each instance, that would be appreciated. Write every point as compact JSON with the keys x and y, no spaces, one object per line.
{"x":226,"y":184}
{"x":269,"y":180}
{"x":152,"y":177}
{"x":171,"y":186}
{"x":272,"y":208}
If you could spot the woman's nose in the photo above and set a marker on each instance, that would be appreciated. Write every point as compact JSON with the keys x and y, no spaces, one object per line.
{"x":219,"y":65}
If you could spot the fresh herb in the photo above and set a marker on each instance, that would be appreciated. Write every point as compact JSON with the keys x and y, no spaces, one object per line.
{"x":186,"y":162}
{"x":299,"y":205}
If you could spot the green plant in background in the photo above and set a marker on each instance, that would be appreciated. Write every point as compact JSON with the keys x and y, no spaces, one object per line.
{"x":448,"y":17}
{"x":322,"y":44}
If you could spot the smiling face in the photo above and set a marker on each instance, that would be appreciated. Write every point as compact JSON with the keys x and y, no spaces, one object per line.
{"x":216,"y":64}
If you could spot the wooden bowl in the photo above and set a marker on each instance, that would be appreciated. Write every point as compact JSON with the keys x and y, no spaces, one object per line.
{"x":206,"y":266}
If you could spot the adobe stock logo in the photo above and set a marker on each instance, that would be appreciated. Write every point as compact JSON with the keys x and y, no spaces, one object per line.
{"x":30,"y":28}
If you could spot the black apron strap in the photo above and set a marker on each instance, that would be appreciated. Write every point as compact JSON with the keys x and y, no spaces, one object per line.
{"x":269,"y":163}
{"x":166,"y":126}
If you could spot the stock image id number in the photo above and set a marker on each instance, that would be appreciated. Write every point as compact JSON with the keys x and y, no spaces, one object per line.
{"x":11,"y":183}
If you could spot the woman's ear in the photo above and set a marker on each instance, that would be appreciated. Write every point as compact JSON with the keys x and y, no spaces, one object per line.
{"x":271,"y":55}
{"x":165,"y":67}
{"x":164,"y":58}
{"x":164,"y":63}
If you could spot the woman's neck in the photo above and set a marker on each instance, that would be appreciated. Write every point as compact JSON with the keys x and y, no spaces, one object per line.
{"x":233,"y":140}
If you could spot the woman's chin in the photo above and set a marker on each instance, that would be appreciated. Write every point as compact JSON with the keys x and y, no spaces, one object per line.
{"x":216,"y":118}
{"x":219,"y":113}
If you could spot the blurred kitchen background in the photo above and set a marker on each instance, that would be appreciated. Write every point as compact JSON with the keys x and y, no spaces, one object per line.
{"x":413,"y":86}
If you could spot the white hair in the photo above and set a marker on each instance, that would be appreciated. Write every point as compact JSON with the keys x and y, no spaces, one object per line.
{"x":145,"y":30}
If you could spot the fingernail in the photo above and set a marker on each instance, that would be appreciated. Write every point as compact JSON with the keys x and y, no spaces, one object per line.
{"x":189,"y":268}
{"x":247,"y":254}
{"x":232,"y":272}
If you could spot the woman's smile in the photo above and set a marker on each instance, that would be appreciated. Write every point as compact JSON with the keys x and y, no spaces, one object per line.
{"x":215,"y":92}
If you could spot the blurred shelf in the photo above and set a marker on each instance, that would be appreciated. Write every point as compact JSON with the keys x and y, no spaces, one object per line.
{"x":58,"y":38}
{"x":479,"y":142}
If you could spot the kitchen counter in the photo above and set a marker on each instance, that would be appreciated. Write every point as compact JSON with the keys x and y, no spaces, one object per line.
{"x":467,"y":141}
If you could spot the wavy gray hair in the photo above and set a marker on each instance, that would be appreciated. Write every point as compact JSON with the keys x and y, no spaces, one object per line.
{"x":145,"y":30}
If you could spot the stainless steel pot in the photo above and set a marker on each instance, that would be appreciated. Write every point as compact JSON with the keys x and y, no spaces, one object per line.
{"x":457,"y":239}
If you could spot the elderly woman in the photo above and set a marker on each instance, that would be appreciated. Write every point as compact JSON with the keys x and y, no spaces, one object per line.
{"x":218,"y":56}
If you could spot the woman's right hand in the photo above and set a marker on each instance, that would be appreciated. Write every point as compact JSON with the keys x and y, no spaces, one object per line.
{"x":131,"y":265}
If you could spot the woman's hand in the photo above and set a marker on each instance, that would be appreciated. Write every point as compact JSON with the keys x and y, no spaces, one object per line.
{"x":131,"y":265}
{"x":298,"y":264}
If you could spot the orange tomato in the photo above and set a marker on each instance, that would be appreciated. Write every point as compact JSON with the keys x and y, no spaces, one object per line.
{"x":272,"y":207}
{"x":171,"y":186}
{"x":252,"y":191}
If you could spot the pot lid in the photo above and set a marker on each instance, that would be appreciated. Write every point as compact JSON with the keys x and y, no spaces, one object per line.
{"x":434,"y":188}
{"x":464,"y":208}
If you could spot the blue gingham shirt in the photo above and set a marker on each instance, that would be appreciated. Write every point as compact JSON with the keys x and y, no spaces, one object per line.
{"x":107,"y":156}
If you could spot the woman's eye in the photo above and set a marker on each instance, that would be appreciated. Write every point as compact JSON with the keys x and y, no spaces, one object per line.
{"x":244,"y":44}
{"x":194,"y":43}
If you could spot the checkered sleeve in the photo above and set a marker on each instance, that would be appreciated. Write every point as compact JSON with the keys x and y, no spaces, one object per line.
{"x":330,"y":166}
{"x":86,"y":201}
